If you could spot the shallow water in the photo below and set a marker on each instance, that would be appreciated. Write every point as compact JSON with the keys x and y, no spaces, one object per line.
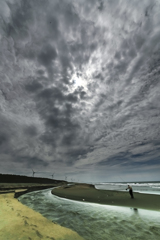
{"x":94,"y":221}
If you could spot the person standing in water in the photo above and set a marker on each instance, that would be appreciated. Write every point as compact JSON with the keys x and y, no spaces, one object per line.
{"x":130,"y":191}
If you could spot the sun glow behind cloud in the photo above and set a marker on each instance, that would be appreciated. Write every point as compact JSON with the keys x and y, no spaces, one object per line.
{"x":78,"y":81}
{"x":82,"y":79}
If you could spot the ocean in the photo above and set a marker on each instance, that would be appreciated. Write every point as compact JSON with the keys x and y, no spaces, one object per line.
{"x":99,"y":222}
{"x":141,"y":187}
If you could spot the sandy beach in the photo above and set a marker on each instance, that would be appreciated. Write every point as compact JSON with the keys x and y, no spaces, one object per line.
{"x":17,"y":221}
{"x":21,"y":222}
{"x":88,"y":193}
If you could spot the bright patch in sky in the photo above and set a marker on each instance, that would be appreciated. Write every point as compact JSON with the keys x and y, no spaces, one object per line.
{"x":78,"y":81}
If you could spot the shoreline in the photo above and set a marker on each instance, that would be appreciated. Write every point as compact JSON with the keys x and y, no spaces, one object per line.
{"x":21,"y":222}
{"x":88,"y":193}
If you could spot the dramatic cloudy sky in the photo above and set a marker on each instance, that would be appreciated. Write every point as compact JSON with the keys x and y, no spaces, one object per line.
{"x":80,"y":89}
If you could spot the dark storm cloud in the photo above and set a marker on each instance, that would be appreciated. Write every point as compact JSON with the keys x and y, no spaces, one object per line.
{"x":21,"y":16}
{"x":31,"y":161}
{"x":6,"y":134}
{"x":33,"y":86}
{"x":51,"y":94}
{"x":47,"y":55}
{"x":3,"y":138}
{"x":79,"y":84}
{"x":136,"y":155}
{"x":101,"y":5}
{"x":31,"y":130}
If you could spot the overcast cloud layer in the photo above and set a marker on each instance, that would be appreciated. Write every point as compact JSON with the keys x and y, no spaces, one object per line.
{"x":80,"y":89}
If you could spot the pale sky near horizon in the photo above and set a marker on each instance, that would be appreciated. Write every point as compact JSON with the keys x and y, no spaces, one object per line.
{"x":80,"y":89}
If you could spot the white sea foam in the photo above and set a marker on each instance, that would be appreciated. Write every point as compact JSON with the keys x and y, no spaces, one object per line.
{"x":147,"y":187}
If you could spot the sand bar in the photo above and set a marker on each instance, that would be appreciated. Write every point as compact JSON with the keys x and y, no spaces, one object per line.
{"x":88,"y":193}
{"x":18,"y":222}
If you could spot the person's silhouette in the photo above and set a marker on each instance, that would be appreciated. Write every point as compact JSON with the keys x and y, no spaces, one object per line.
{"x":130,"y":191}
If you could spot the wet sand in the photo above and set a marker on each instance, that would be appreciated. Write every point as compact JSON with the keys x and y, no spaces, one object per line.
{"x":17,"y":221}
{"x":88,"y":193}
